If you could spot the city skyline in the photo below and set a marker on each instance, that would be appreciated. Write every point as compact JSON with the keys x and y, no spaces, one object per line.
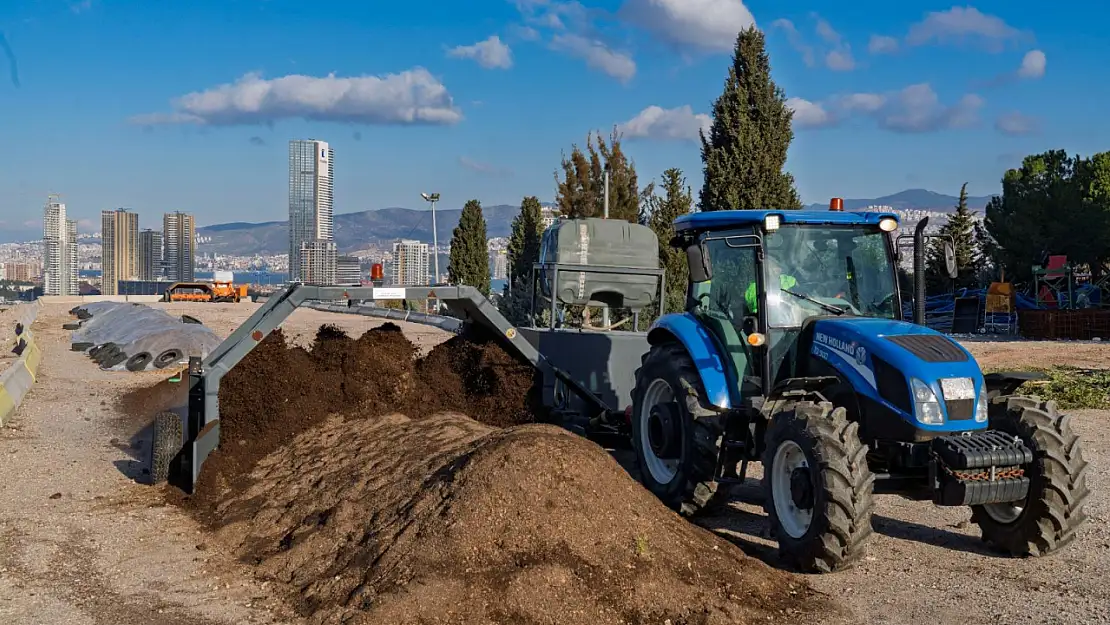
{"x":469,"y":99}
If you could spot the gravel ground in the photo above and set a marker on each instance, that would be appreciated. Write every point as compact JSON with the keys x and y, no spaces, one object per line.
{"x":82,"y":543}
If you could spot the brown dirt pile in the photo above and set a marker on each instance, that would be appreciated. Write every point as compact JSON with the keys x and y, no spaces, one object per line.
{"x":278,"y":391}
{"x":444,"y":520}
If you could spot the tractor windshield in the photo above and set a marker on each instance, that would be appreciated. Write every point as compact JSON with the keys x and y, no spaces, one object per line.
{"x":823,"y":270}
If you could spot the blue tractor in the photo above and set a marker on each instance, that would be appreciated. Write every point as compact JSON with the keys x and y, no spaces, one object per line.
{"x":792,"y":352}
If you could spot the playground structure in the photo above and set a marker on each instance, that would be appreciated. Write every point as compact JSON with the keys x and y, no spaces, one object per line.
{"x":814,"y":376}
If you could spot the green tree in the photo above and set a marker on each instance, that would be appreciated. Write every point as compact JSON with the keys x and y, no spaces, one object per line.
{"x":1052,"y":204}
{"x":961,"y":227}
{"x":524,"y":240}
{"x":580,"y":190}
{"x":676,"y":200}
{"x":515,"y":302}
{"x":469,"y":260}
{"x":745,"y":150}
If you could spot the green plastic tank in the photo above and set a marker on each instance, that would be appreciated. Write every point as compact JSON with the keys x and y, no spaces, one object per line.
{"x":600,"y":242}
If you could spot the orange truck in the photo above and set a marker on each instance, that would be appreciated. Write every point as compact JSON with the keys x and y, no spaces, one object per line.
{"x":221,"y":289}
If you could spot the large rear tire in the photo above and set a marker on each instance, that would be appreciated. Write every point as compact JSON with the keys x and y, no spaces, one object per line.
{"x":1052,"y":512}
{"x":675,"y":438}
{"x":166,"y":444}
{"x":817,"y":487}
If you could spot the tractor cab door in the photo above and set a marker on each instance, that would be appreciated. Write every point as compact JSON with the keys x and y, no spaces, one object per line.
{"x":728,"y":297}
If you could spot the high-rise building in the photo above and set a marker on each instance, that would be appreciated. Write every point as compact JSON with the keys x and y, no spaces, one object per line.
{"x":59,"y":256}
{"x":150,"y":255}
{"x":318,"y":262}
{"x":348,"y":271}
{"x":498,"y":264}
{"x":311,"y":167}
{"x":119,"y":234}
{"x":411,"y":260}
{"x":179,"y":240}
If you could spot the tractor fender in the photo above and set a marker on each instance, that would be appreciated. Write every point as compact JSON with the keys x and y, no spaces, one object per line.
{"x":684,"y":328}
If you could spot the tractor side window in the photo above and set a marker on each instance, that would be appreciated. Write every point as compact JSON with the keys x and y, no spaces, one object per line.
{"x":731,"y":291}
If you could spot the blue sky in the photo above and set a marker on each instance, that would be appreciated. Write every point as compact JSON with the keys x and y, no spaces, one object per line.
{"x":888,"y":95}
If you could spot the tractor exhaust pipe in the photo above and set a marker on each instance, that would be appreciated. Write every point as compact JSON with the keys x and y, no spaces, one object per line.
{"x":919,"y":272}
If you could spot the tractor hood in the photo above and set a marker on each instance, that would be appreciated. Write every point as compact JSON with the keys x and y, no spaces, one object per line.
{"x":870,"y":351}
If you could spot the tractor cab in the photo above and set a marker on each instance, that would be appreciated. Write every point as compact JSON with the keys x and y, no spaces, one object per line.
{"x":758,"y":278}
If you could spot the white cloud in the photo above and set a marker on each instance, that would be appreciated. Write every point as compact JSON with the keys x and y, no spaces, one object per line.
{"x":840,"y":60}
{"x":490,"y":53}
{"x":525,"y":33}
{"x":882,"y":44}
{"x":597,"y":55}
{"x":710,"y":25}
{"x":483,"y":168}
{"x":1015,"y":124}
{"x":962,"y":24}
{"x":410,"y":97}
{"x":914,"y":109}
{"x":1032,"y":65}
{"x":809,"y":114}
{"x":796,"y":41}
{"x":654,"y":122}
{"x":917,"y":108}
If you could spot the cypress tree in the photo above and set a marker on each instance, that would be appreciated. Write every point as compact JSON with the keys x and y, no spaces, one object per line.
{"x":580,"y":191}
{"x":469,"y":260}
{"x":677,"y":200}
{"x":524,"y":240}
{"x":745,"y":150}
{"x":961,"y":227}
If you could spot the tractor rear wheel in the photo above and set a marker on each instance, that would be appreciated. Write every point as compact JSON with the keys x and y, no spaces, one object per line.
{"x":818,"y":487}
{"x":1052,"y":512}
{"x":675,"y":439}
{"x":166,"y":443}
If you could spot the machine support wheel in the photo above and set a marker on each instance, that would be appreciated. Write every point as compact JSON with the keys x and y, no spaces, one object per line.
{"x":817,"y":487}
{"x":676,"y":440}
{"x":1049,"y":517}
{"x":165,"y":445}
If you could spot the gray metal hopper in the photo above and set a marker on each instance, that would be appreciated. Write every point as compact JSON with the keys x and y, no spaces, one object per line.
{"x":600,"y":243}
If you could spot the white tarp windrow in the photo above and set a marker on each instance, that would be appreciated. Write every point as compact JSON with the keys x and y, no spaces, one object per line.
{"x":137,"y":329}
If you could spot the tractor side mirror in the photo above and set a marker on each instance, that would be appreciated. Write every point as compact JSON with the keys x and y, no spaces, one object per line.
{"x":697,"y":259}
{"x":950,"y":260}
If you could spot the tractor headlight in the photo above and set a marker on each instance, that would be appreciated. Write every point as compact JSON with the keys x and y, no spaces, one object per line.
{"x":771,"y":223}
{"x":888,"y":224}
{"x":926,"y":404}
{"x":981,"y":406}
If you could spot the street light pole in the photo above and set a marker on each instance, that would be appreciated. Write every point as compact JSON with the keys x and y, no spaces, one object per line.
{"x":433,"y":198}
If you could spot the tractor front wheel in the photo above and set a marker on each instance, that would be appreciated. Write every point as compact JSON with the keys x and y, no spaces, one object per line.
{"x":818,"y":487}
{"x":674,"y":437}
{"x":1053,"y":510}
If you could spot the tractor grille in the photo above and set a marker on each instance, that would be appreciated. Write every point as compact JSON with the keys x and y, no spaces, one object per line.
{"x":930,"y":347}
{"x":960,"y":409}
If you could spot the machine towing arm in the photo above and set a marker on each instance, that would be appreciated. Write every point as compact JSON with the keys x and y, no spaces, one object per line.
{"x":203,"y":431}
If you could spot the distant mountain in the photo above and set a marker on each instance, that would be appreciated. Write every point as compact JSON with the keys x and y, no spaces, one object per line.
{"x":920,"y":199}
{"x":353,"y":231}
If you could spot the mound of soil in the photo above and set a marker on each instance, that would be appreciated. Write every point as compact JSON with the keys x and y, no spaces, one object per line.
{"x":278,"y":391}
{"x":369,"y":519}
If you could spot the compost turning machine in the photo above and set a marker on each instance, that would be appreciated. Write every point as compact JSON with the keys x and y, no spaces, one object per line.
{"x":791,"y":352}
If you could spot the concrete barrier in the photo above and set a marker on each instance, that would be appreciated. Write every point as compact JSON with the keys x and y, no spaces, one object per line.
{"x":84,"y":299}
{"x":18,"y":378}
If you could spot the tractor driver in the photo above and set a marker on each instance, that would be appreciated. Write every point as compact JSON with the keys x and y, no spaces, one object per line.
{"x":790,"y":307}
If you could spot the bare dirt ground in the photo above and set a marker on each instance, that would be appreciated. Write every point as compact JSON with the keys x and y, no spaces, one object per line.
{"x":81,"y":542}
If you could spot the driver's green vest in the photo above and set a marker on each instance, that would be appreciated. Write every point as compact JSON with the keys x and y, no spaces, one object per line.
{"x":785,"y":282}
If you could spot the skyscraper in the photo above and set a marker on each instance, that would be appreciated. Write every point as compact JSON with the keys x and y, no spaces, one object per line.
{"x":411,"y":263}
{"x":59,"y":262}
{"x":311,"y":166}
{"x":151,"y":266}
{"x":179,"y":238}
{"x":119,"y":233}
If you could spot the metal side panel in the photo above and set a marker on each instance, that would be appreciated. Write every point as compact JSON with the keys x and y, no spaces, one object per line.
{"x":604,"y":363}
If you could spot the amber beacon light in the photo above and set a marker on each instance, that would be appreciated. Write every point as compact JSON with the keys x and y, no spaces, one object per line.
{"x":836,"y":204}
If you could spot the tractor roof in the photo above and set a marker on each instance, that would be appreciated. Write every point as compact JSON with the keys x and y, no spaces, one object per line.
{"x":726,"y":219}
